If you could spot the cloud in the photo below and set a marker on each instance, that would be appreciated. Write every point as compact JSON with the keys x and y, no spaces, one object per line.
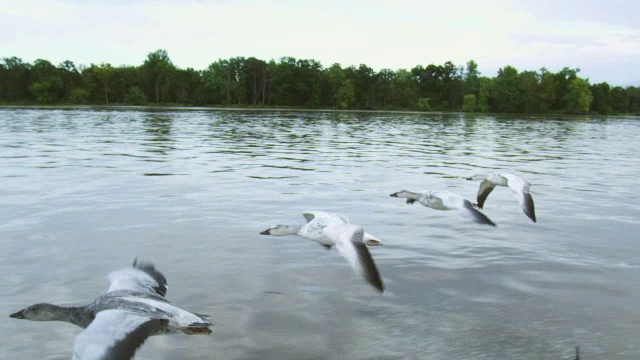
{"x":380,"y":33}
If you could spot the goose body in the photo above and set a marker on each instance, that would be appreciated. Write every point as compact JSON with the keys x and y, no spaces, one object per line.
{"x":445,"y":201}
{"x":518,"y":185}
{"x":117,"y":323}
{"x":334,"y":230}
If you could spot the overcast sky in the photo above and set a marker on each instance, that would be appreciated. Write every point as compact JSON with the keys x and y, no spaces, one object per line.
{"x":602,"y":38}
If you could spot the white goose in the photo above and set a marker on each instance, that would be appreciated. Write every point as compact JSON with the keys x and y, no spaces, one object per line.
{"x":518,"y":185}
{"x":118,"y":322}
{"x":334,"y":230}
{"x":445,"y":201}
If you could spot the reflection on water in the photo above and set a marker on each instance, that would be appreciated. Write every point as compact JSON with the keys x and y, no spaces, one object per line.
{"x":85,"y":191}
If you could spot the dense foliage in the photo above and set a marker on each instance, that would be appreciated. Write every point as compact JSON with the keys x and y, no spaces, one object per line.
{"x":291,"y":82}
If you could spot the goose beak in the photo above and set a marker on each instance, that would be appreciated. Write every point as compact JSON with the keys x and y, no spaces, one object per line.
{"x":394,"y":194}
{"x":469,"y":178}
{"x":18,"y":315}
{"x":266,"y":232}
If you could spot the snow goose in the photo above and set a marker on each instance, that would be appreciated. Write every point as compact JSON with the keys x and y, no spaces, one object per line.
{"x":118,"y":322}
{"x":518,"y":185}
{"x":334,"y":230}
{"x":445,"y":201}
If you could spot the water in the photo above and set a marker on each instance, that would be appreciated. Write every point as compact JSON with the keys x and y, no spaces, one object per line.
{"x":83,"y":192}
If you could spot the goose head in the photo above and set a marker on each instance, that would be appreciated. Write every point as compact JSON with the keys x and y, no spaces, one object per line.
{"x":39,"y":312}
{"x":400,"y":194}
{"x":280,"y":230}
{"x":477,"y":177}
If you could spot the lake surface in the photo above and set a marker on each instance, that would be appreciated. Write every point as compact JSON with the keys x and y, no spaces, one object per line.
{"x":84,"y":192}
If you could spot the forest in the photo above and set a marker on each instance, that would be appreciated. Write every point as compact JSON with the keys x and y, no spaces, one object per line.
{"x":306,"y":83}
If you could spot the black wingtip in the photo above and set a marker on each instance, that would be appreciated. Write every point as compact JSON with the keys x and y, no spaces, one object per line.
{"x":371,"y":273}
{"x":478,"y":216}
{"x":528,"y":207}
{"x":150,"y":269}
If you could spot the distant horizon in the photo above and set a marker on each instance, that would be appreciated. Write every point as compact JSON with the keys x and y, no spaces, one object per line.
{"x":602,"y":40}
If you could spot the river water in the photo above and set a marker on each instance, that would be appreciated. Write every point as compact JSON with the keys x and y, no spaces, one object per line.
{"x":85,"y":191}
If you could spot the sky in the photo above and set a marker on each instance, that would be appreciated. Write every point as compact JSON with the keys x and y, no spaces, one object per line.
{"x":601,"y":38}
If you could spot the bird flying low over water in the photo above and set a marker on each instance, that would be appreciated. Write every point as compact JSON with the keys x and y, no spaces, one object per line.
{"x":445,"y":201}
{"x":518,"y":185}
{"x":117,"y":323}
{"x":333,"y":230}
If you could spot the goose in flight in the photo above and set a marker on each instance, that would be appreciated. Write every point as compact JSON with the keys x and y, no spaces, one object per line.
{"x":118,"y":322}
{"x":333,"y":230}
{"x":518,"y":185}
{"x":445,"y":201}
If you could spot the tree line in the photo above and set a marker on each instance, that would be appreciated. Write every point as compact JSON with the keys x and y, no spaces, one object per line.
{"x":291,"y":82}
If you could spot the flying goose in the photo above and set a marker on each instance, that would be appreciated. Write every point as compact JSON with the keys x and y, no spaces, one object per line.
{"x":445,"y":201}
{"x":332,"y":230}
{"x":518,"y":185}
{"x":118,"y":322}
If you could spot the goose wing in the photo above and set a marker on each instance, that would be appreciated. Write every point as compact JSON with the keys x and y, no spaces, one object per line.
{"x":114,"y":335}
{"x":140,"y":277}
{"x":520,"y":188}
{"x":486,"y":187}
{"x":469,"y":210}
{"x":324,"y":217}
{"x":349,"y":243}
{"x":309,"y":216}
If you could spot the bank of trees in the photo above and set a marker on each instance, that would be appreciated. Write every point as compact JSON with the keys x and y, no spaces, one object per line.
{"x":290,"y":82}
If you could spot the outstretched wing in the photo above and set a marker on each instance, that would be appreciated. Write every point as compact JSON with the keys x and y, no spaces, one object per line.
{"x":349,"y":243}
{"x":469,"y":210}
{"x":520,"y":188}
{"x":324,"y":217}
{"x":486,"y":187}
{"x":115,"y":335}
{"x":141,"y":277}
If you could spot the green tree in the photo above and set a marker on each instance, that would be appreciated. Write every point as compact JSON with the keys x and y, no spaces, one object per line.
{"x":469,"y":103}
{"x":79,"y":96}
{"x":188,"y":87}
{"x":384,"y":81}
{"x":46,"y":84}
{"x":471,"y":78}
{"x":578,"y":97}
{"x":562,"y":80}
{"x":364,"y":83}
{"x":600,"y":103}
{"x":157,"y":69}
{"x":528,"y":92}
{"x":135,"y":96}
{"x":404,"y":92}
{"x":346,"y":94}
{"x":16,"y":79}
{"x":97,"y":80}
{"x":335,"y":78}
{"x":633,"y":94}
{"x":70,"y":76}
{"x":505,"y":91}
{"x":618,"y":100}
{"x":485,"y":89}
{"x":255,"y":80}
{"x":546,"y":91}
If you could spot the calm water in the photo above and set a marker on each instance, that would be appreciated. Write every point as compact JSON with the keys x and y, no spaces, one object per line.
{"x":83,"y":192}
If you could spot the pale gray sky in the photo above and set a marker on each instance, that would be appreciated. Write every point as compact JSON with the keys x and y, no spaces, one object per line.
{"x":602,"y":38}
